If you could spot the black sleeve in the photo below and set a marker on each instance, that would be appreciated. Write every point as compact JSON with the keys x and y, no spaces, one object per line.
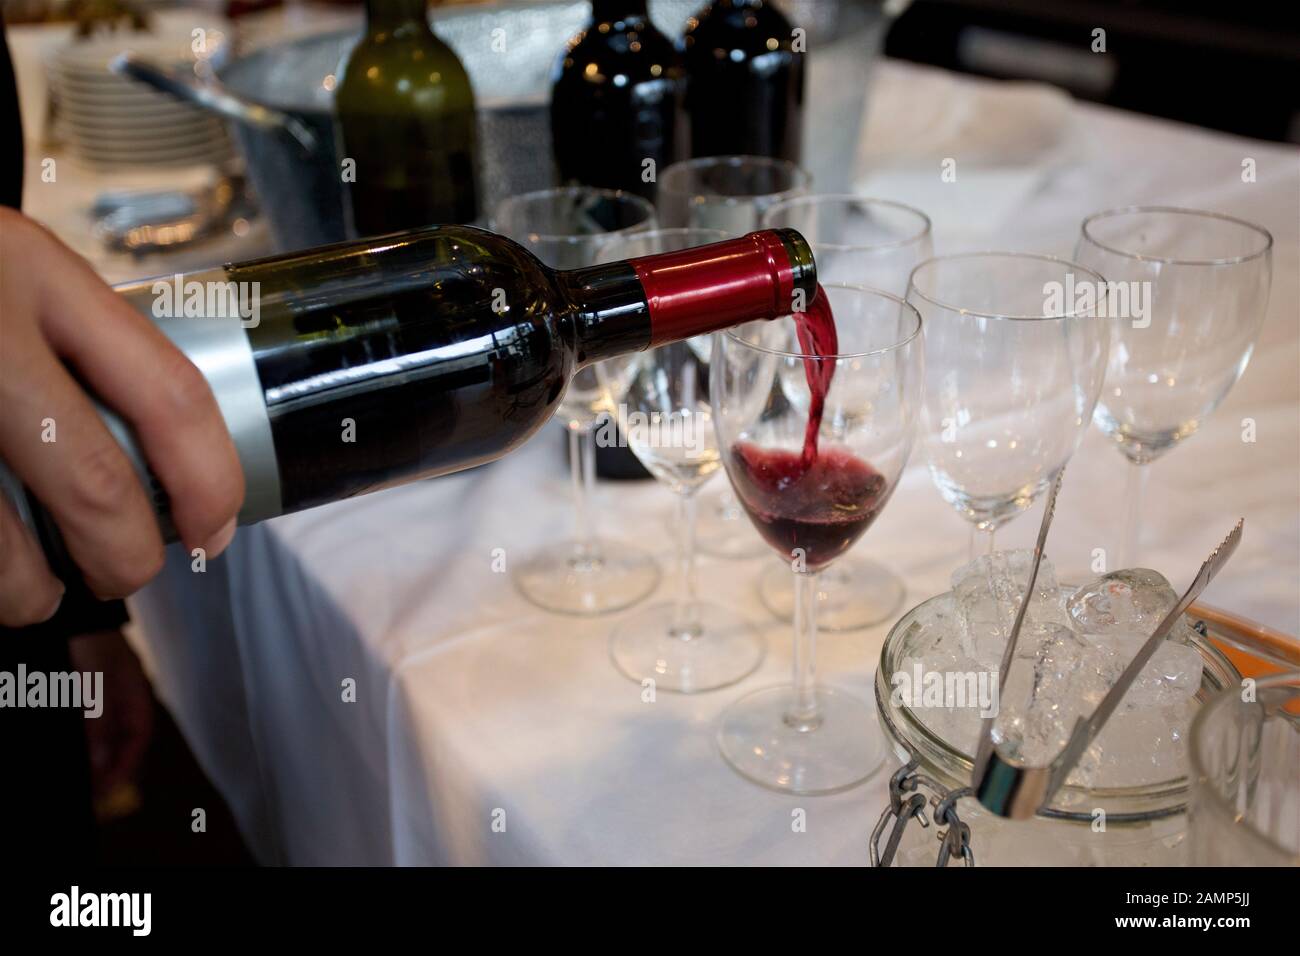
{"x":80,"y":613}
{"x":45,"y":804}
{"x":11,"y":129}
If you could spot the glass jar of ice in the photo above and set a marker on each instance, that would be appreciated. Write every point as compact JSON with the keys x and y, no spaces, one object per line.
{"x":1125,"y":803}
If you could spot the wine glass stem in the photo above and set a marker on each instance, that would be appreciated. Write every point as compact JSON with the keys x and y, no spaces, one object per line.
{"x":582,"y":469}
{"x":1134,"y":493}
{"x":686,"y":624}
{"x":981,"y":541}
{"x":803,"y":713}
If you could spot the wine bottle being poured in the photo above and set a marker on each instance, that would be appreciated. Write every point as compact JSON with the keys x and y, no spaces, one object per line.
{"x":362,"y":365}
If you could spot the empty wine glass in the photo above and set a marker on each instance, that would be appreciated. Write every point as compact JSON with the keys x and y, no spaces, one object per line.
{"x":566,"y":228}
{"x":687,"y":644}
{"x":1015,"y":352}
{"x":1191,"y":290}
{"x":729,"y":194}
{"x":811,"y":503}
{"x":870,"y":242}
{"x":874,"y":243}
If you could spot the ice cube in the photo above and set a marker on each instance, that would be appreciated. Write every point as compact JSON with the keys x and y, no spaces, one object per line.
{"x":1060,"y":675}
{"x":1144,"y":739}
{"x":935,"y":624}
{"x":987,"y":593}
{"x":946,"y":691}
{"x":1139,"y":748}
{"x":1171,"y":676}
{"x":1052,"y":683}
{"x":1031,"y":738}
{"x":1131,"y":600}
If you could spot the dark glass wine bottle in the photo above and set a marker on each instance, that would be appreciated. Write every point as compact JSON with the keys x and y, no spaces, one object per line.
{"x":744,"y":81}
{"x":406,"y":121}
{"x":616,"y":101}
{"x":367,"y":364}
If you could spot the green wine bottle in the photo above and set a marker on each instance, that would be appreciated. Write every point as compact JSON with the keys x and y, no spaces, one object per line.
{"x":406,"y":122}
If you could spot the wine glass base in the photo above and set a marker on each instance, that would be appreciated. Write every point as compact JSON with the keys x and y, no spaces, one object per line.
{"x":725,"y":649}
{"x":842,"y":750}
{"x":557,"y":579}
{"x":852,"y":594}
{"x":726,"y":533}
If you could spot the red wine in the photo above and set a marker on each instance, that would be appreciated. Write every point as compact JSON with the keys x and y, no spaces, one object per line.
{"x":744,"y":81}
{"x":819,"y":501}
{"x":616,"y":101}
{"x":816,"y":331}
{"x":822,"y":509}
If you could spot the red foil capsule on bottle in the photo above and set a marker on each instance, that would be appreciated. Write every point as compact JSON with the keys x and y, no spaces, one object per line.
{"x":699,"y":290}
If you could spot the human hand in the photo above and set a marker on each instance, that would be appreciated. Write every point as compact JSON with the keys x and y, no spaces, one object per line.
{"x":57,"y":319}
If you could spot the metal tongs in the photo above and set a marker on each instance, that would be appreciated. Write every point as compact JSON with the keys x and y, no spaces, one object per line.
{"x":1007,"y":787}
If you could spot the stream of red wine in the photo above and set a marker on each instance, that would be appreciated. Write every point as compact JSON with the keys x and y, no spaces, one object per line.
{"x":816,"y":501}
{"x":816,"y":331}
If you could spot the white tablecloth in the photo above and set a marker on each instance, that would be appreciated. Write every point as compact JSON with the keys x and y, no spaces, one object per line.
{"x":484,"y":731}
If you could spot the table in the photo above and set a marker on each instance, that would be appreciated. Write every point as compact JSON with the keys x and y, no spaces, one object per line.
{"x":484,"y":731}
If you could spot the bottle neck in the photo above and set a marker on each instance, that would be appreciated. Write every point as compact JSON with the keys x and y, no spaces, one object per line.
{"x":392,"y":13}
{"x":608,"y":11}
{"x":653,"y":300}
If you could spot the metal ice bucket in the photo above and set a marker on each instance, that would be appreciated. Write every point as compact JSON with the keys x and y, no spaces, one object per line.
{"x":280,"y":100}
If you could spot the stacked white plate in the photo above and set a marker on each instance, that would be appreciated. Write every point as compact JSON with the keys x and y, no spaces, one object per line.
{"x":111,"y":121}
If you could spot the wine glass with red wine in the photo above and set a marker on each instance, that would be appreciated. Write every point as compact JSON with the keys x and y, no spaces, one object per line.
{"x":729,"y":194}
{"x":815,"y":418}
{"x":875,"y":243}
{"x":585,"y":575}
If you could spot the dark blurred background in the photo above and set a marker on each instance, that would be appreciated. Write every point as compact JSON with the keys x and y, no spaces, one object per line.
{"x":1228,"y":66}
